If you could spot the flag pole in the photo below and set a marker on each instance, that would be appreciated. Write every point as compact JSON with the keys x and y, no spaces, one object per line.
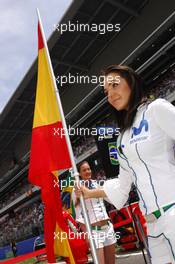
{"x":86,"y":217}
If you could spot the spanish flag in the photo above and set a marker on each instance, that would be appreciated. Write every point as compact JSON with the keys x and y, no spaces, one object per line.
{"x":49,"y":152}
{"x":49,"y":149}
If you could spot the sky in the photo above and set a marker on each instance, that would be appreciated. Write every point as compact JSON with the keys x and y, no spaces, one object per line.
{"x":18,"y":38}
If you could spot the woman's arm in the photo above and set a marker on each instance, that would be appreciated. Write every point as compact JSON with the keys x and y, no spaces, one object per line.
{"x":93,"y":193}
{"x":116,"y":190}
{"x":164,"y":114}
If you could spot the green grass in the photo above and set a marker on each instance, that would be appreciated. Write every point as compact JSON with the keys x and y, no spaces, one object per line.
{"x":31,"y":261}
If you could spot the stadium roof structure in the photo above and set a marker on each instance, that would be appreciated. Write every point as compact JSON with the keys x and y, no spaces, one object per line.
{"x":85,"y":53}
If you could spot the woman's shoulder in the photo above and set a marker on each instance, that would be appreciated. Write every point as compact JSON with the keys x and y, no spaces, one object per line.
{"x":157,"y":104}
{"x":156,"y":107}
{"x":149,"y":103}
{"x":163,"y":113}
{"x":158,"y":101}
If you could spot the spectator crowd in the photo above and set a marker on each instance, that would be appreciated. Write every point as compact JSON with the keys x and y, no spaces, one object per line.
{"x":22,"y":224}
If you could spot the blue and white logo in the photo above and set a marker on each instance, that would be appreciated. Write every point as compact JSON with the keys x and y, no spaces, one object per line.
{"x":140,"y":133}
{"x":137,"y":131}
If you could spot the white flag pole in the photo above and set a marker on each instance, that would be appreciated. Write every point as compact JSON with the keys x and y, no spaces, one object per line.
{"x":86,"y":218}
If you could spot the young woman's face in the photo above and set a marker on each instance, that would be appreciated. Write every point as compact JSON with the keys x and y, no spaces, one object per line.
{"x":117,"y":90}
{"x":85,"y":171}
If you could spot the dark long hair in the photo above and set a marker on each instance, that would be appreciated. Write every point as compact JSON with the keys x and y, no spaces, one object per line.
{"x":138,"y":93}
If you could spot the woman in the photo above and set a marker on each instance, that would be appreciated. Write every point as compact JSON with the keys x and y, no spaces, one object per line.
{"x":146,"y":156}
{"x":102,"y":229}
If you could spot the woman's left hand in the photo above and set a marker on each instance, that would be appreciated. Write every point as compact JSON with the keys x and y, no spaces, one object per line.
{"x":78,"y":191}
{"x":82,"y":190}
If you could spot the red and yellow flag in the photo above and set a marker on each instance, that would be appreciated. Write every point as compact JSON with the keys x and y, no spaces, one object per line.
{"x":49,"y":149}
{"x":49,"y":153}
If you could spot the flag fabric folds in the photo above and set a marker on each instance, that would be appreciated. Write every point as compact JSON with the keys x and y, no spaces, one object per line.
{"x":48,"y":149}
{"x":49,"y":152}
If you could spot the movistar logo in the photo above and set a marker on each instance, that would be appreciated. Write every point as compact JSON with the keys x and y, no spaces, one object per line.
{"x":136,"y":131}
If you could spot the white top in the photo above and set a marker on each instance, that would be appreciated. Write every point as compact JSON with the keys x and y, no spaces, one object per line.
{"x":147,"y":158}
{"x":95,"y":208}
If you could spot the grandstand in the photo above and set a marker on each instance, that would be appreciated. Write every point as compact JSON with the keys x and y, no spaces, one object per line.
{"x":145,"y":42}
